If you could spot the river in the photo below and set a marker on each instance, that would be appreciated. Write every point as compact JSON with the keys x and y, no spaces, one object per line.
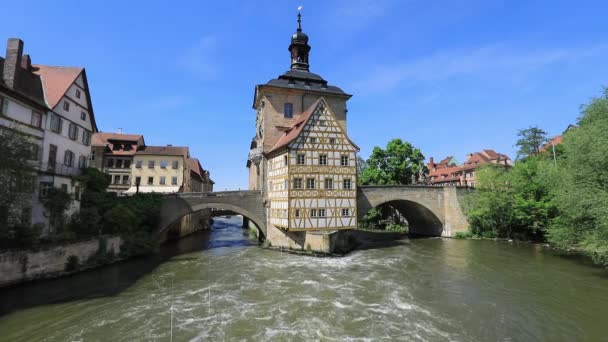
{"x":220,"y":286}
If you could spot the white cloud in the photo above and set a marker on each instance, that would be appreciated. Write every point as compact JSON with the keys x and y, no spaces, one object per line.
{"x":487,"y":59}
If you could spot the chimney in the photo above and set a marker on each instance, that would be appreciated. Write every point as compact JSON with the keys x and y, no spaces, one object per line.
{"x":432,"y":162}
{"x":14,"y":51}
{"x":26,"y":62}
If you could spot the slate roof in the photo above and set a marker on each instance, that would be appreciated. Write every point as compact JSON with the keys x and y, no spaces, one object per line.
{"x":304,"y":80}
{"x":27,"y":84}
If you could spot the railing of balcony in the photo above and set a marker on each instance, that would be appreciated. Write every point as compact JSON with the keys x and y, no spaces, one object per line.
{"x":59,"y":169}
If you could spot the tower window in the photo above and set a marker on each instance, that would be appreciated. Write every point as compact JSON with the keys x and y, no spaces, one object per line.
{"x":288,"y":110}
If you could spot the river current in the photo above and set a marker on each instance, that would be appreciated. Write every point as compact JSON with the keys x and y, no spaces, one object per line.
{"x":220,"y":286}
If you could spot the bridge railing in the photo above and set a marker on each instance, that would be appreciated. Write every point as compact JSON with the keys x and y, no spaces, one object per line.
{"x":216,"y":194}
{"x":414,"y":186}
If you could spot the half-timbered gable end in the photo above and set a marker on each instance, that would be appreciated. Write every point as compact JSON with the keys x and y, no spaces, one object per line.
{"x":316,"y":161}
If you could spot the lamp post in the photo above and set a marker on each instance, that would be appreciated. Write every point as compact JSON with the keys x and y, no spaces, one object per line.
{"x":553,"y":147}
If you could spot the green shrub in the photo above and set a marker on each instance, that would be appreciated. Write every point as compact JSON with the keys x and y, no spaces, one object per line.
{"x":463,"y":235}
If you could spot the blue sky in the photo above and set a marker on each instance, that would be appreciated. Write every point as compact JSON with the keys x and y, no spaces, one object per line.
{"x":451,"y":77}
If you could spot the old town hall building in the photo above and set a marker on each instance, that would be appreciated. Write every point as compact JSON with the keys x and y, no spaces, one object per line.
{"x":301,"y":157}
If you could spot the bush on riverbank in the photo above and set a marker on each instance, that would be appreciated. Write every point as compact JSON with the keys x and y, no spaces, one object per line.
{"x":563,"y":201}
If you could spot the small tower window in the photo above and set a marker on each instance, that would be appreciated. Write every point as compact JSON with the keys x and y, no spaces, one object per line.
{"x":288,"y":110}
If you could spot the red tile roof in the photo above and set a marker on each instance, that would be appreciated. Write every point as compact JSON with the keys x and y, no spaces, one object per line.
{"x":292,"y":132}
{"x":556,"y":140}
{"x":56,"y":80}
{"x":102,"y":139}
{"x":195,"y":166}
{"x":164,"y":150}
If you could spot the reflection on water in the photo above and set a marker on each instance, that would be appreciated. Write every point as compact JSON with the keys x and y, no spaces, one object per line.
{"x":223,"y":287}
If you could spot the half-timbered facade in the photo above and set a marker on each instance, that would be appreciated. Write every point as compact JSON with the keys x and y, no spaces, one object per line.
{"x":301,"y":158}
{"x":312,"y":174}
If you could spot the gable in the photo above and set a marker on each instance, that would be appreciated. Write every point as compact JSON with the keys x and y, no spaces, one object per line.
{"x":321,"y":131}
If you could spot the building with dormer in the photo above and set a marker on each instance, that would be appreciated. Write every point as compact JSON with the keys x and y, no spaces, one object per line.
{"x":52,"y":106}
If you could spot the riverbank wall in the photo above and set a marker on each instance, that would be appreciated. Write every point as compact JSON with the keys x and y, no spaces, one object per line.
{"x":53,"y":261}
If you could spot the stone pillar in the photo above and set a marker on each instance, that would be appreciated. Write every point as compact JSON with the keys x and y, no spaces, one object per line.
{"x":455,"y":220}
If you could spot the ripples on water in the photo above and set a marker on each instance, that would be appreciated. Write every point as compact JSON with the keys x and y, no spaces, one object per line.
{"x":424,"y":289}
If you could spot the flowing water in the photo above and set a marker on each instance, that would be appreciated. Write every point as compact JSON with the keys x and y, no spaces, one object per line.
{"x":220,"y":286}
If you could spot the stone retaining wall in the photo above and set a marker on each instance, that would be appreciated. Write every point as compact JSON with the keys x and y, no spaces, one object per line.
{"x":25,"y":265}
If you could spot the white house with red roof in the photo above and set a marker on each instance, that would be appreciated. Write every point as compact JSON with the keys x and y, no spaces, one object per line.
{"x":52,"y":104}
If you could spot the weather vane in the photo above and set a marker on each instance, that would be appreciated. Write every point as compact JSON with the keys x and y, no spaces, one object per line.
{"x":300,"y":8}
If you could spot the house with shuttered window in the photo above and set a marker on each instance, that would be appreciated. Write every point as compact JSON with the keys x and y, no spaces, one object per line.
{"x":52,"y":106}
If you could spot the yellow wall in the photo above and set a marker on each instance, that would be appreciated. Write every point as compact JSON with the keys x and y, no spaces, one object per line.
{"x":144,"y":172}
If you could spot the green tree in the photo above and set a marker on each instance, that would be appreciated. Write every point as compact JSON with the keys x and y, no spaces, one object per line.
{"x":399,"y":163}
{"x":17,"y":175}
{"x":530,"y":141}
{"x":57,"y":202}
{"x":120,"y":219}
{"x":581,"y":185}
{"x":515,"y":203}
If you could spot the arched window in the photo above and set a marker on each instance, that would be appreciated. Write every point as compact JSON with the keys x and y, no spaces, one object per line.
{"x":288,"y":110}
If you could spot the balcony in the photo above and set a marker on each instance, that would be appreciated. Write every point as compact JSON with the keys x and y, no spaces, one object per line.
{"x":59,"y":169}
{"x":255,"y":155}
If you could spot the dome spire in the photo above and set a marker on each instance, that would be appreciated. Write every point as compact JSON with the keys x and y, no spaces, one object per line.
{"x":299,"y":18}
{"x":299,"y":47}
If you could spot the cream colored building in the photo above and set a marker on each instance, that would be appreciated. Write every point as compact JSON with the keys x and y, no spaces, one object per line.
{"x":312,"y":174}
{"x":161,"y":169}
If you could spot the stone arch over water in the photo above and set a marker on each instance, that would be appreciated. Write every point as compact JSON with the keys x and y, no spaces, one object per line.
{"x":245,"y":203}
{"x":431,"y":211}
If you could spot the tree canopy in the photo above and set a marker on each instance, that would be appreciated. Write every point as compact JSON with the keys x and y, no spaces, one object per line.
{"x":399,"y":163}
{"x":17,"y":173}
{"x":530,"y":141}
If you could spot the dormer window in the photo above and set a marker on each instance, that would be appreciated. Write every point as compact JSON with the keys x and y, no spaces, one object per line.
{"x":288,"y":110}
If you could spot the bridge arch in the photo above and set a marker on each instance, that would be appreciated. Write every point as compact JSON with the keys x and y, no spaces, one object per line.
{"x":422,"y":207}
{"x":245,"y":203}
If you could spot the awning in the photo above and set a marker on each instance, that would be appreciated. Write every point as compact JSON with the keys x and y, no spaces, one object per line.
{"x":147,"y":189}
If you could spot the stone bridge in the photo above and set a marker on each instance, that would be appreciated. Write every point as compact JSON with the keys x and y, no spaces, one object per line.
{"x":429,"y":210}
{"x":250,"y":204}
{"x":434,"y":211}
